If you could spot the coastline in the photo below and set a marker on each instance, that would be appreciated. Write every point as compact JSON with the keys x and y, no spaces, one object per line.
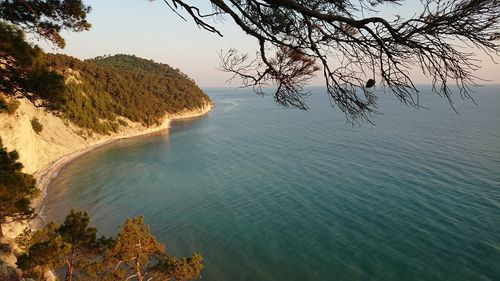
{"x":45,"y":174}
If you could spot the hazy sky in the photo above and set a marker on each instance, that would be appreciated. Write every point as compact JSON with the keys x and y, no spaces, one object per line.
{"x":151,"y":30}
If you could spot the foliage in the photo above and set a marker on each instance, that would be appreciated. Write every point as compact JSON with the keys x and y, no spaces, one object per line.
{"x":46,"y":18}
{"x":353,"y":42}
{"x":24,"y":240}
{"x":22,"y":68}
{"x":179,"y":268}
{"x":81,"y":239}
{"x":36,"y":125}
{"x":122,"y":122}
{"x":47,"y":251}
{"x":72,"y":243}
{"x":100,"y":89}
{"x":133,"y":254}
{"x":17,"y":189}
{"x":8,"y":106}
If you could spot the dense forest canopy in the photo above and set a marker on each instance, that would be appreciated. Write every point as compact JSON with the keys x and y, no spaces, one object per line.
{"x":100,"y":89}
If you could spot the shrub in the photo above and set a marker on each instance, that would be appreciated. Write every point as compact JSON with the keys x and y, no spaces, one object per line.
{"x":9,"y":107}
{"x":37,"y":126}
{"x":122,"y":122}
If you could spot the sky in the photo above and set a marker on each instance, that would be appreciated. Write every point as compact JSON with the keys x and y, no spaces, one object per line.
{"x":149,"y":29}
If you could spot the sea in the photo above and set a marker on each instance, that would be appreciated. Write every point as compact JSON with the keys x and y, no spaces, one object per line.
{"x":267,"y":193}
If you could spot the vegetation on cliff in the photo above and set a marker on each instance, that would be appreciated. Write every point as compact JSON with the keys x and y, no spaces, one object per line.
{"x":100,"y":89}
{"x":7,"y":106}
{"x":90,"y":93}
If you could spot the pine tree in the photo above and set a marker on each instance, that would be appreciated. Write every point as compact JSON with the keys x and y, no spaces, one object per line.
{"x":134,"y":250}
{"x":22,"y":68}
{"x":81,"y":238}
{"x":46,"y":251}
{"x":72,"y":244}
{"x":17,"y":189}
{"x":135,"y":254}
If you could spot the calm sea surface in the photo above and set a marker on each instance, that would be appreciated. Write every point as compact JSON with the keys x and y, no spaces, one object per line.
{"x":265,"y":193}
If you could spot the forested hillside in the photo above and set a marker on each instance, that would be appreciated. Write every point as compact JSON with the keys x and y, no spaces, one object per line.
{"x":100,"y":89}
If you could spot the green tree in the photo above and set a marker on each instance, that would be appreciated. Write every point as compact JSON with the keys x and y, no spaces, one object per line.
{"x":135,"y":254}
{"x":124,"y":85}
{"x":17,"y":189}
{"x":134,"y":251}
{"x":36,"y":125}
{"x":81,"y":238}
{"x":22,"y":66}
{"x":8,"y":106}
{"x":72,"y":244}
{"x":356,"y":44}
{"x":45,"y":251}
{"x":46,"y":18}
{"x":180,"y":269}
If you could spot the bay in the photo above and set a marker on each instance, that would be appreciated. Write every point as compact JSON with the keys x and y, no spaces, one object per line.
{"x":267,"y":193}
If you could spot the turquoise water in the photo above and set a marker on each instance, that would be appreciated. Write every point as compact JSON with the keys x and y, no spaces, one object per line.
{"x":266,"y":193}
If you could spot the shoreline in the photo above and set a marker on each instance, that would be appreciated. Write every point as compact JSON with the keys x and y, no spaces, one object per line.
{"x":45,"y":175}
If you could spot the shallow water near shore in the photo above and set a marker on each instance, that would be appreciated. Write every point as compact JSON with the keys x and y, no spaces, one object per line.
{"x":265,"y":193}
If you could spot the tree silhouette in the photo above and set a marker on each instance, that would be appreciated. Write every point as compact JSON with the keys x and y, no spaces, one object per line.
{"x":46,"y":19}
{"x":355,"y":47}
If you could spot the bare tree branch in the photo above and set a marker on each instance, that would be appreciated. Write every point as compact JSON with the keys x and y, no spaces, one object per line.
{"x":296,"y":38}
